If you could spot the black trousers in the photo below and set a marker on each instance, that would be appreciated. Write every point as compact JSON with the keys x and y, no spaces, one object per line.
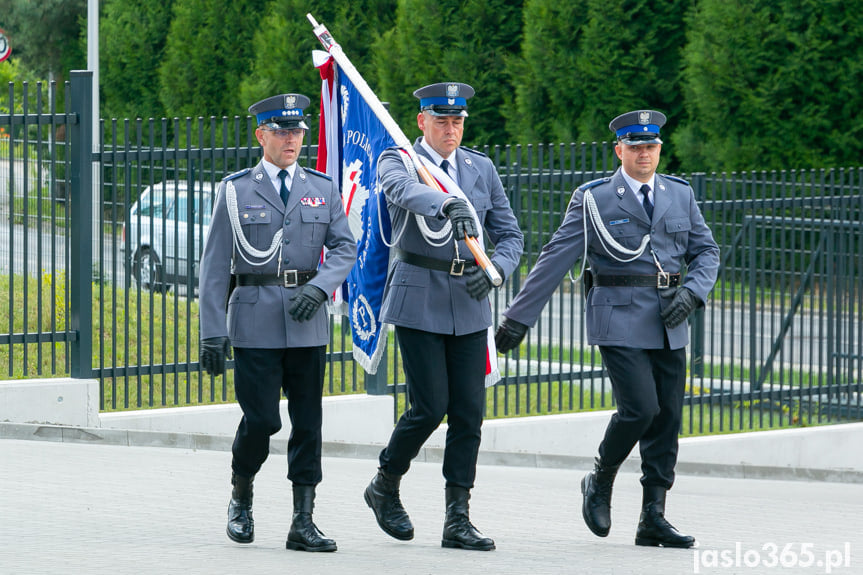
{"x":445,"y":377}
{"x":260,"y":377}
{"x":648,"y":386}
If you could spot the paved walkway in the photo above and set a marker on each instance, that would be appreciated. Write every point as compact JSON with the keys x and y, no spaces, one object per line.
{"x":72,"y":509}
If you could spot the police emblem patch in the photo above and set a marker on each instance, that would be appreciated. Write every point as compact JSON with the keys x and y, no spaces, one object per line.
{"x":451,"y":90}
{"x":363,"y":319}
{"x":644,"y":117}
{"x":290,"y":101}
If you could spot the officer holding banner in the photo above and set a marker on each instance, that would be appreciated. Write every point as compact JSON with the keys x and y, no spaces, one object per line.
{"x":268,"y":229}
{"x":437,"y":299}
{"x":639,"y":231}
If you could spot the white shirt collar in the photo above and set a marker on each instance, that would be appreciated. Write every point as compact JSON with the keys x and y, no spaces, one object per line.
{"x":635,"y":185}
{"x":273,"y":172}
{"x":437,"y":158}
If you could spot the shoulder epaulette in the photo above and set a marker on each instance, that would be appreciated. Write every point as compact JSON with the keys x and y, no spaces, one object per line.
{"x":593,"y":183}
{"x":676,"y":179}
{"x":472,"y":151}
{"x":317,"y":173}
{"x":242,"y":172}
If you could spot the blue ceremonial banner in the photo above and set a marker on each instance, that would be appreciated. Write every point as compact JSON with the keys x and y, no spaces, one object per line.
{"x":354,"y":138}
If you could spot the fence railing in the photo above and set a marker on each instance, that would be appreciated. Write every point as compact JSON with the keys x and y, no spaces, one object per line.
{"x":94,"y":286}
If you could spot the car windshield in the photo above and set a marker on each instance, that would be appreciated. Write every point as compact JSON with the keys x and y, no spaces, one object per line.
{"x":161,"y":202}
{"x":158,"y":208}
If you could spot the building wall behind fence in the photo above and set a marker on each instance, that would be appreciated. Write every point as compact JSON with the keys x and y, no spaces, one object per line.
{"x":779,"y":343}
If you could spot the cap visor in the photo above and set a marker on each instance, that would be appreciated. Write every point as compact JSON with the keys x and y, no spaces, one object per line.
{"x":446,"y":112}
{"x":287,"y":125}
{"x":640,"y":141}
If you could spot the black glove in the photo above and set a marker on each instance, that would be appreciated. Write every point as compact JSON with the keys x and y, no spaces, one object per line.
{"x":214,"y":350}
{"x":478,"y":282}
{"x":463,"y":223}
{"x":307,"y":302}
{"x":509,"y":334}
{"x":678,"y":310}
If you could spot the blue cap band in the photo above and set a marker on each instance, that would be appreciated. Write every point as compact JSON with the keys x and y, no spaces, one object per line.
{"x":425,"y":102}
{"x":270,"y":114}
{"x":636,"y":128}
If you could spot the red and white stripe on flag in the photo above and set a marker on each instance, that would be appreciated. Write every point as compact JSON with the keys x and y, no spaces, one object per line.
{"x":328,"y":141}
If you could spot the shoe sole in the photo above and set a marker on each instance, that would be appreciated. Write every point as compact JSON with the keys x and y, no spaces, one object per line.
{"x":388,"y":531}
{"x":302,"y":547}
{"x":650,"y":542}
{"x":236,"y":539}
{"x":449,"y":543}
{"x":586,"y":516}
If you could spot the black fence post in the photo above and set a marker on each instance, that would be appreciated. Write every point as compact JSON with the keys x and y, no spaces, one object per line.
{"x":81,"y":242}
{"x":697,"y":325}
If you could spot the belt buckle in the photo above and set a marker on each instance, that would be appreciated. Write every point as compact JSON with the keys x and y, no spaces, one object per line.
{"x":456,"y":268}
{"x":286,"y":275}
{"x":663,"y":280}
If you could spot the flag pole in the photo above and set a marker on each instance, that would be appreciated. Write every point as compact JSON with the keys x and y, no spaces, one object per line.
{"x":395,"y":132}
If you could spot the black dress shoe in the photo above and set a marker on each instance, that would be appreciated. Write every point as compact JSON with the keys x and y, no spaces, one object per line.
{"x":458,"y":531}
{"x":596,"y":503}
{"x":653,"y":529}
{"x":304,"y":534}
{"x":382,"y":495}
{"x":241,"y":524}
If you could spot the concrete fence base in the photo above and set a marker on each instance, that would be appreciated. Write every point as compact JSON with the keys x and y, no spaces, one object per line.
{"x":360,"y":425}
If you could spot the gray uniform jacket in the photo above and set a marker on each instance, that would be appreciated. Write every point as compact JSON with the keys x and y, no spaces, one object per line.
{"x":626,"y":316}
{"x":257,"y":316}
{"x":433,"y":300}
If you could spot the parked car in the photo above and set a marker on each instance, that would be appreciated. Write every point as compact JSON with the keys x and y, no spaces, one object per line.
{"x":161,"y":241}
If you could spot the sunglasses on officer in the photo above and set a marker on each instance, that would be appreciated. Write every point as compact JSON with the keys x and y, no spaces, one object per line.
{"x":284,"y":132}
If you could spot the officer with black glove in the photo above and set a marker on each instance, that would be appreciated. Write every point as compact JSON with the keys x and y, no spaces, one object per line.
{"x":307,"y":302}
{"x":437,"y":302}
{"x":634,"y":312}
{"x":214,"y":351}
{"x":278,"y":332}
{"x":462,"y":219}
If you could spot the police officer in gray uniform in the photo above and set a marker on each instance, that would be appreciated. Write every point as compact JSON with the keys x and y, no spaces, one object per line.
{"x":437,"y":299}
{"x":643,"y":230}
{"x":269,"y":226}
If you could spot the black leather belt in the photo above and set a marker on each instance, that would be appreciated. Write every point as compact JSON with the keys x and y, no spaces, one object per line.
{"x":660,"y":280}
{"x":452,"y":267}
{"x":288,"y":278}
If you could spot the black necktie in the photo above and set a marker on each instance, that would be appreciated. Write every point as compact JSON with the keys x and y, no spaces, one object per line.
{"x":444,"y":165}
{"x":283,"y":190}
{"x":645,"y":201}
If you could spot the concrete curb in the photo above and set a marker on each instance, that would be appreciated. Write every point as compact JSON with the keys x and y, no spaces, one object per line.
{"x":198,"y":441}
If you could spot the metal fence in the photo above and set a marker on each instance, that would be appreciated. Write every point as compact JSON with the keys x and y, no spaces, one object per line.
{"x":81,"y":292}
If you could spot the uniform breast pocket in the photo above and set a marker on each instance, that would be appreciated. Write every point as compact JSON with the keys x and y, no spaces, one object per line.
{"x":481,"y":204}
{"x":316,"y":220}
{"x":626,"y":234}
{"x":678,"y":229}
{"x":254,"y":222}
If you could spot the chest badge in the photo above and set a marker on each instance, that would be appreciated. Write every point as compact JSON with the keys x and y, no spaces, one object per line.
{"x":313,"y":202}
